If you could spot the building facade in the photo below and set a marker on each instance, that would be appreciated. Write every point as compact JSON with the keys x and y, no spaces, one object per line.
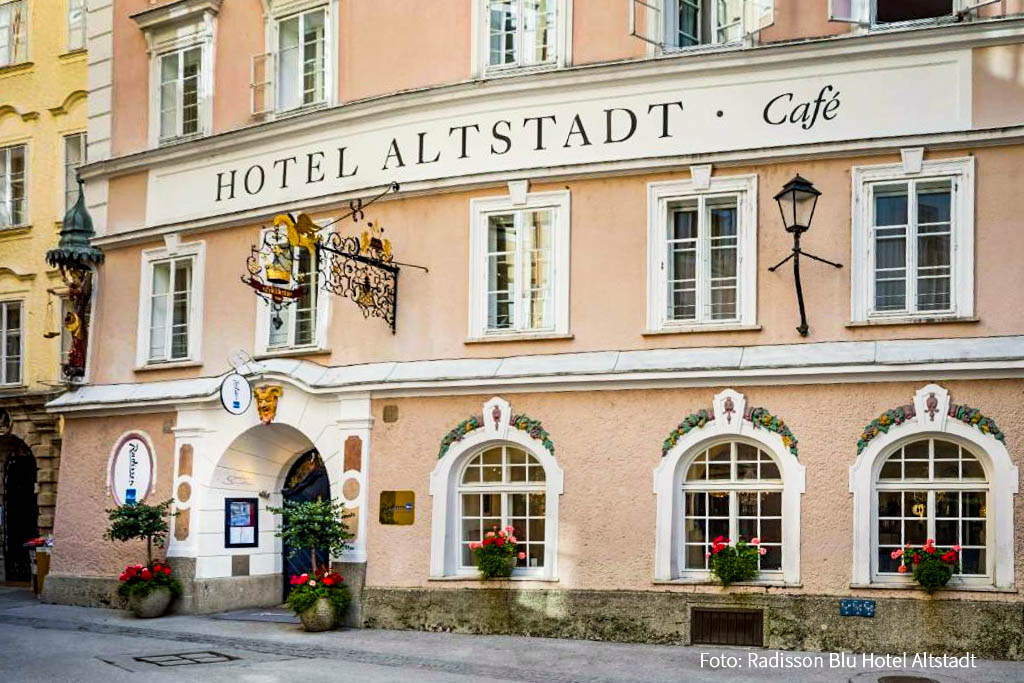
{"x":42,"y":143}
{"x":589,"y":342}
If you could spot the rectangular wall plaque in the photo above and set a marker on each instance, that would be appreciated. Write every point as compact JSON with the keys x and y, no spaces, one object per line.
{"x":397,"y":507}
{"x":241,"y":522}
{"x":857,"y":608}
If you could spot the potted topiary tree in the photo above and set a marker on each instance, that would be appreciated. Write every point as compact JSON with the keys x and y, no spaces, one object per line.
{"x":149,"y":588}
{"x":319,"y":599}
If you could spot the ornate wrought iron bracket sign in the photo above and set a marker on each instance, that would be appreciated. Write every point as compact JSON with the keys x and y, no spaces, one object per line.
{"x":360,"y":268}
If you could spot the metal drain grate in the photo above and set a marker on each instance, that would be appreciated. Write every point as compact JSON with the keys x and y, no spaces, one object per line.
{"x":906,"y":679}
{"x":186,"y":658}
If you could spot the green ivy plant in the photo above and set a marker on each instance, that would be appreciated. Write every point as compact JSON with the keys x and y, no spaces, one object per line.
{"x":138,"y":521}
{"x":311,"y":525}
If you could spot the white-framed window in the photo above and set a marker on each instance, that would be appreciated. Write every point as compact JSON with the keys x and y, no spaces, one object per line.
{"x":13,"y":32}
{"x":732,"y":480}
{"x":297,"y":69}
{"x":302,"y":59}
{"x":503,"y":486}
{"x":702,"y":253}
{"x":913,"y":241}
{"x":74,"y":157}
{"x":180,"y":93}
{"x":934,"y":476}
{"x":170,"y":304}
{"x":11,"y":342}
{"x":732,"y":489}
{"x":496,"y":475}
{"x":303,"y":324}
{"x":900,"y":13}
{"x":519,"y":265}
{"x":13,"y":186}
{"x":522,"y":34}
{"x":76,"y":25}
{"x":932,"y":488}
{"x":671,"y":25}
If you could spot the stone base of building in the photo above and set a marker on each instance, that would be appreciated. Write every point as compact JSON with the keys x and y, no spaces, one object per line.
{"x":987,"y":629}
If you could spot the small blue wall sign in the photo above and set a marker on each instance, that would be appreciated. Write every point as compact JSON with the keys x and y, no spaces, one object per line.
{"x":856,"y":608}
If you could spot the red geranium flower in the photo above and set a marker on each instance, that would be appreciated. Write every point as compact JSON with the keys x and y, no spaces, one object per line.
{"x":328,"y":581}
{"x":167,"y":571}
{"x":123,"y":577}
{"x":146,"y":575}
{"x":131,"y":572}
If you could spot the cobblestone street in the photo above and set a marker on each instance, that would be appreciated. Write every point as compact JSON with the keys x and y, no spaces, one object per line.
{"x":55,"y":643}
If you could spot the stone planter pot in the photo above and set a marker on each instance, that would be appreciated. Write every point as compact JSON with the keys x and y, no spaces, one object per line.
{"x":153,"y":604}
{"x":319,"y":617}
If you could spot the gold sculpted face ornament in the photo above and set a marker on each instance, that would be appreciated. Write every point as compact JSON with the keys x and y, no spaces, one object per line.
{"x":266,"y":402}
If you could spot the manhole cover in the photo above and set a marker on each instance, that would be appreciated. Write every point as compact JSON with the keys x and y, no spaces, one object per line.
{"x":906,"y":679}
{"x":186,"y":658}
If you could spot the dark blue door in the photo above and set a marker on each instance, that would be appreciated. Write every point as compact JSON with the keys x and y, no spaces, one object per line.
{"x":307,"y":480}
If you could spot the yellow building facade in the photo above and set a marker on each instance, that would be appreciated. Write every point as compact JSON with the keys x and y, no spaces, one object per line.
{"x":43,"y":84}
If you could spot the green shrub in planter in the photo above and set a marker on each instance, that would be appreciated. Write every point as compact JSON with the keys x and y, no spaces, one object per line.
{"x":139,"y":581}
{"x":732,"y":563}
{"x":931,"y":567}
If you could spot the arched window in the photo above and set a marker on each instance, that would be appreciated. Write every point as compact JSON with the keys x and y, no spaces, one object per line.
{"x":932,"y":488}
{"x":495,"y":469}
{"x":731,"y":489}
{"x":731,"y":472}
{"x":933,"y":469}
{"x":503,"y":486}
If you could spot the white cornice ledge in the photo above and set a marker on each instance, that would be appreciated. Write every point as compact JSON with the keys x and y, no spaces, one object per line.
{"x":862,"y":361}
{"x":173,"y":12}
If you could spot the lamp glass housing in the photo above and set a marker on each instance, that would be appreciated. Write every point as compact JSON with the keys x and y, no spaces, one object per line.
{"x":797,"y":201}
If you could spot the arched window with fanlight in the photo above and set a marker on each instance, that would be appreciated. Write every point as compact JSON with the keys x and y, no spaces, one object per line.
{"x":503,"y":486}
{"x":495,"y":470}
{"x":731,"y":489}
{"x":933,"y":469}
{"x":732,"y":472}
{"x":932,"y":488}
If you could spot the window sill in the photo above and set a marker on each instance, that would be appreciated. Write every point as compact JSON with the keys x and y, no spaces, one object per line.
{"x":908,"y":586}
{"x":11,"y":69}
{"x":511,"y":579}
{"x":6,"y":230}
{"x":520,"y":336}
{"x":279,"y":114}
{"x":292,"y":352}
{"x":73,"y":55}
{"x":913,"y":320}
{"x":505,"y":71}
{"x":12,"y":388}
{"x":701,"y":329}
{"x":169,"y":365}
{"x":707,"y":582}
{"x":673,"y":51}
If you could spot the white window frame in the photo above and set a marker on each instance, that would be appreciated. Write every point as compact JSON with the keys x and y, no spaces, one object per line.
{"x":1002,"y":484}
{"x":729,"y":407}
{"x":263,"y":322}
{"x":480,"y":209}
{"x":179,"y":133}
{"x":4,"y":304}
{"x":77,"y":32}
{"x":175,"y":28}
{"x":864,"y":13}
{"x":328,"y":57}
{"x":70,"y":186}
{"x":446,"y":537}
{"x":150,"y":257}
{"x":5,"y":191}
{"x":481,"y":36}
{"x":670,"y":20}
{"x":652,"y":20}
{"x":18,"y":44}
{"x":659,"y":197}
{"x":961,"y":171}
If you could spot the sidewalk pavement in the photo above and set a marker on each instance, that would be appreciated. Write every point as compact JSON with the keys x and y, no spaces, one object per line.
{"x":381,"y":655}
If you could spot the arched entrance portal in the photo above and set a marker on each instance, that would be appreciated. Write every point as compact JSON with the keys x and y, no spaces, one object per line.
{"x":20,"y":512}
{"x":306,"y":480}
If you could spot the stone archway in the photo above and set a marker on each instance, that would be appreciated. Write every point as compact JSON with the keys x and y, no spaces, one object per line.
{"x":20,"y":511}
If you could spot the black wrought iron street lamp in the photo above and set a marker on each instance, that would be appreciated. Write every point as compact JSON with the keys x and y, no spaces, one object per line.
{"x":797,"y":201}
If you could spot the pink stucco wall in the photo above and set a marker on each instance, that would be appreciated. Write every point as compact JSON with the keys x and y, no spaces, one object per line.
{"x":608,"y":444}
{"x":432,"y":311}
{"x":80,"y":520}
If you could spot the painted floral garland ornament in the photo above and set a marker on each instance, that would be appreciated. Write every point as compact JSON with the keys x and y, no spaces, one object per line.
{"x":761,"y":418}
{"x":522,"y":422}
